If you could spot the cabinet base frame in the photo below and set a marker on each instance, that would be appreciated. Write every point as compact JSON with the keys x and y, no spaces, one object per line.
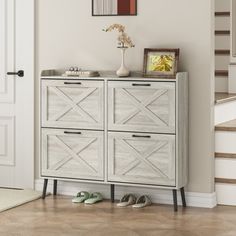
{"x":112,"y":192}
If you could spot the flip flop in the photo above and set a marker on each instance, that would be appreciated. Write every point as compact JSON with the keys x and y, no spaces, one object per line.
{"x":127,"y":200}
{"x":94,"y":198}
{"x":142,"y":201}
{"x":81,"y":197}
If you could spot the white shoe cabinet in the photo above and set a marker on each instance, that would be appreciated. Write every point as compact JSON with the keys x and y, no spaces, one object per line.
{"x":119,"y":131}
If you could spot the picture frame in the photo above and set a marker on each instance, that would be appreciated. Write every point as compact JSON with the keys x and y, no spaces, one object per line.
{"x":114,"y":7}
{"x":161,"y":62}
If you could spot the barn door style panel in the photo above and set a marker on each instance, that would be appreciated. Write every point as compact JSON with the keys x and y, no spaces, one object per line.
{"x":73,"y":104}
{"x":141,"y":158}
{"x":141,"y":106}
{"x":72,"y":154}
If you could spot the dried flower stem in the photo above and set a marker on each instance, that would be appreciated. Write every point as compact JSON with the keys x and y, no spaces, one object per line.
{"x":124,"y":41}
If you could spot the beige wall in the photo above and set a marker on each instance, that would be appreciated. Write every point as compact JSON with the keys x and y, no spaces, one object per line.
{"x":68,"y":35}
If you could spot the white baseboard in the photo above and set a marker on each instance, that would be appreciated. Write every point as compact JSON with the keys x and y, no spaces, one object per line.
{"x":206,"y":200}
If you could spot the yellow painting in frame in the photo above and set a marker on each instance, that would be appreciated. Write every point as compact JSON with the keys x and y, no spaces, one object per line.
{"x":160,"y":62}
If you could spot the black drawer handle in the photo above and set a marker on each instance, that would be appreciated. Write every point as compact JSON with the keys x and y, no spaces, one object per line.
{"x":146,"y":85}
{"x":78,"y":83}
{"x":67,"y":132}
{"x":141,"y":136}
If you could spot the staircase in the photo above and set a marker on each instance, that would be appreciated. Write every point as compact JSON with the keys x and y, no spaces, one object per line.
{"x":225,"y":163}
{"x":222,"y":44}
{"x":225,"y":110}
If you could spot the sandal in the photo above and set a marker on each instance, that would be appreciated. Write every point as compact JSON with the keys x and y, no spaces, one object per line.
{"x":81,"y":197}
{"x":94,"y":198}
{"x":127,"y":200}
{"x":142,"y":201}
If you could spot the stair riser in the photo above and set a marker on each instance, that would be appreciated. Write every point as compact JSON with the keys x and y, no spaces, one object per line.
{"x":225,"y":142}
{"x":232,"y":76}
{"x":226,"y":194}
{"x":222,"y":23}
{"x":225,"y":168}
{"x":225,"y":112}
{"x":221,"y":84}
{"x":222,"y":5}
{"x":222,"y":42}
{"x":222,"y":62}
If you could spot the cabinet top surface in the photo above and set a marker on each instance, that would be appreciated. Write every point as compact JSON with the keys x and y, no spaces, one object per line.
{"x":108,"y":75}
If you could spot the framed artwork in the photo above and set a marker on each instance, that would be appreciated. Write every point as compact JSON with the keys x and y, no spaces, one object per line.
{"x":160,"y":62}
{"x":114,"y":7}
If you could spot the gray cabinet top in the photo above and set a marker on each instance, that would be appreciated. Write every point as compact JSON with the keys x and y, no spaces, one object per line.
{"x":108,"y":75}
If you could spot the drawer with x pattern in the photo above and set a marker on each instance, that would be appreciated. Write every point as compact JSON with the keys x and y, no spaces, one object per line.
{"x":141,"y":106}
{"x":141,"y":158}
{"x":73,"y":104}
{"x":72,"y":154}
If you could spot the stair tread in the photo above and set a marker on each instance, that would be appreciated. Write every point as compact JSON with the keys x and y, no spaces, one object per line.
{"x":222,"y":32}
{"x":222,"y":52}
{"x":224,"y":97}
{"x":225,"y":181}
{"x":225,"y":155}
{"x":227,"y":126}
{"x":221,"y":73}
{"x":222,"y":13}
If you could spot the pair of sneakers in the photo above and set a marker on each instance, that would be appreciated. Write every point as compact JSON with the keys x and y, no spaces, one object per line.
{"x":87,"y":198}
{"x":131,"y":199}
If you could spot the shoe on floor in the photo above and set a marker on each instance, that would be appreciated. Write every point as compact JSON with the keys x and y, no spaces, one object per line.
{"x":94,"y":198}
{"x":142,"y":202}
{"x":81,"y":197}
{"x":127,"y":200}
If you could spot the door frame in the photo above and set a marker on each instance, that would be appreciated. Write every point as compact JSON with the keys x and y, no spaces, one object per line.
{"x":25,"y":25}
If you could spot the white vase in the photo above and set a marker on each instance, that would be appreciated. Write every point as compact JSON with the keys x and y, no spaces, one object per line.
{"x":123,"y":71}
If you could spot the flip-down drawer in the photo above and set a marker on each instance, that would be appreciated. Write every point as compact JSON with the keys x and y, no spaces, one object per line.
{"x":73,"y":104}
{"x":73,"y":154}
{"x":141,"y":158}
{"x":141,"y":106}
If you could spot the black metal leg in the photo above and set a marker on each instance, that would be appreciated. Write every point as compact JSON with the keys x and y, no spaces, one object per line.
{"x":183,"y":197}
{"x":54,"y":187}
{"x":112,"y":193}
{"x":175,"y":200}
{"x":45,"y":185}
